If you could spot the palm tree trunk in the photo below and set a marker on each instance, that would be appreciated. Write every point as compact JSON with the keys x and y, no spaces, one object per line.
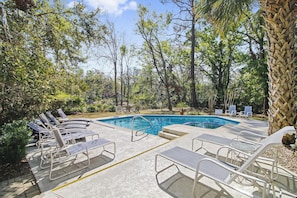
{"x":280,"y":16}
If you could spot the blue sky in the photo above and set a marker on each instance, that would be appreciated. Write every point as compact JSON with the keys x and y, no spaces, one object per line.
{"x":123,"y":13}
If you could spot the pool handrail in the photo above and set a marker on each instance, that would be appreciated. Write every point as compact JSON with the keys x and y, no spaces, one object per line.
{"x":132,"y":127}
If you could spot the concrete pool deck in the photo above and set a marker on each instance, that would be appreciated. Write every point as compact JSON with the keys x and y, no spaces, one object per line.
{"x":132,"y":172}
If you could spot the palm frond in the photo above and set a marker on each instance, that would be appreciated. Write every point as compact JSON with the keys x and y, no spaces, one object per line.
{"x":223,"y":12}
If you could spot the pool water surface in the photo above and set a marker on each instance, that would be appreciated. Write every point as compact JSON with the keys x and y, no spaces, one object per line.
{"x":159,"y":121}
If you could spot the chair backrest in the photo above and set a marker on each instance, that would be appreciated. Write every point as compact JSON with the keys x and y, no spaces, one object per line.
{"x":58,"y":137}
{"x":232,"y":109}
{"x":119,"y":108}
{"x":248,"y":110}
{"x":218,"y":111}
{"x":36,"y":127}
{"x":274,"y":139}
{"x":52,"y":118}
{"x":45,"y":120}
{"x":61,"y":113}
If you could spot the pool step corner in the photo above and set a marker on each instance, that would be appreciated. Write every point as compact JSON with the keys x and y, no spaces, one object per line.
{"x":170,"y":134}
{"x":174,"y":131}
{"x":166,"y":135}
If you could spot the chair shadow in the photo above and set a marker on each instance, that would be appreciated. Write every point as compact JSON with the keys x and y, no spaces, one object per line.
{"x":42,"y":175}
{"x":180,"y":186}
{"x":287,"y":182}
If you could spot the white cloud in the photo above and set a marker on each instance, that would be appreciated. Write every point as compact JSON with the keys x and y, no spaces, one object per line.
{"x":116,"y":7}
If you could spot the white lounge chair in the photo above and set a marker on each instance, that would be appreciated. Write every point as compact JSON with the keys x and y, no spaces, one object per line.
{"x":218,"y":111}
{"x":219,"y":171}
{"x":66,"y":122}
{"x":232,"y":110}
{"x":47,"y":142}
{"x":64,"y":117}
{"x":238,"y":143}
{"x":248,"y":112}
{"x":65,"y":153}
{"x":49,"y":125}
{"x":119,"y":109}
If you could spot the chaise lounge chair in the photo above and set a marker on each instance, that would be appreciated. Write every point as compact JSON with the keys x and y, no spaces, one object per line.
{"x":245,"y":141}
{"x":232,"y":110}
{"x":248,"y":112}
{"x":219,"y":171}
{"x":65,"y":153}
{"x":64,"y":117}
{"x":66,"y":122}
{"x":119,"y":109}
{"x":49,"y":125}
{"x":47,"y":142}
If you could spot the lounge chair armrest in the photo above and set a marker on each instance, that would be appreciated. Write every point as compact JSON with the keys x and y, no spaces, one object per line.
{"x":57,"y":151}
{"x":229,"y":148}
{"x":251,"y":134}
{"x":249,"y":113}
{"x":243,"y":154}
{"x":248,"y":141}
{"x":227,"y":167}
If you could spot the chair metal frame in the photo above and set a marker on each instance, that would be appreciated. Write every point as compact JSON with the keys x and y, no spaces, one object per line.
{"x":223,"y":172}
{"x":64,"y":153}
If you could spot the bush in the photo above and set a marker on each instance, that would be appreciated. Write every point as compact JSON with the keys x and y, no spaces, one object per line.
{"x":13,"y":140}
{"x":181,"y":104}
{"x":92,"y":109}
{"x":111,"y":108}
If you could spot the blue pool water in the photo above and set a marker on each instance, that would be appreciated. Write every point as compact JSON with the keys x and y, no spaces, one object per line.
{"x":159,"y":121}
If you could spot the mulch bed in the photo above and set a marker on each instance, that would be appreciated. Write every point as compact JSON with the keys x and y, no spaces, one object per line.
{"x":288,"y":158}
{"x":9,"y":171}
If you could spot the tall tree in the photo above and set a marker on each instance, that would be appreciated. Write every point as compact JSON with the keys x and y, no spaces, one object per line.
{"x":128,"y":58}
{"x":280,"y":18}
{"x":111,"y":43}
{"x":255,"y":75}
{"x":188,"y":8}
{"x":218,"y":54}
{"x":40,"y":45}
{"x":151,"y":27}
{"x":123,"y":53}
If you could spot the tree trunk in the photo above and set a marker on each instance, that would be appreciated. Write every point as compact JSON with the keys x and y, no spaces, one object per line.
{"x":115,"y":83}
{"x":280,"y":19}
{"x":122,"y":83}
{"x":192,"y":76}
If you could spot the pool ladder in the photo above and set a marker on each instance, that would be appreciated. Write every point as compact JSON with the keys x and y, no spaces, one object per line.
{"x":139,"y":132}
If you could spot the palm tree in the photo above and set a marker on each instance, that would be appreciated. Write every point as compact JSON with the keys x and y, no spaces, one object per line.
{"x":280,"y":17}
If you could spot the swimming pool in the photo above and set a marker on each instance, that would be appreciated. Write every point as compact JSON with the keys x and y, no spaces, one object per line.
{"x":159,"y":121}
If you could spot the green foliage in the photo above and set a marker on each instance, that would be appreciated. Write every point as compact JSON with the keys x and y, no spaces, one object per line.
{"x":39,"y":54}
{"x":92,"y":109}
{"x":111,"y":108}
{"x":104,"y":107}
{"x":181,"y":104}
{"x":13,"y":140}
{"x":218,"y":56}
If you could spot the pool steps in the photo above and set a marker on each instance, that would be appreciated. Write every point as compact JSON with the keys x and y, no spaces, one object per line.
{"x":170,"y":133}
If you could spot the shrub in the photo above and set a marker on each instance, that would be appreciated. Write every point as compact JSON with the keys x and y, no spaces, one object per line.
{"x":13,"y":140}
{"x":111,"y":108}
{"x":92,"y":109}
{"x":181,"y":104}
